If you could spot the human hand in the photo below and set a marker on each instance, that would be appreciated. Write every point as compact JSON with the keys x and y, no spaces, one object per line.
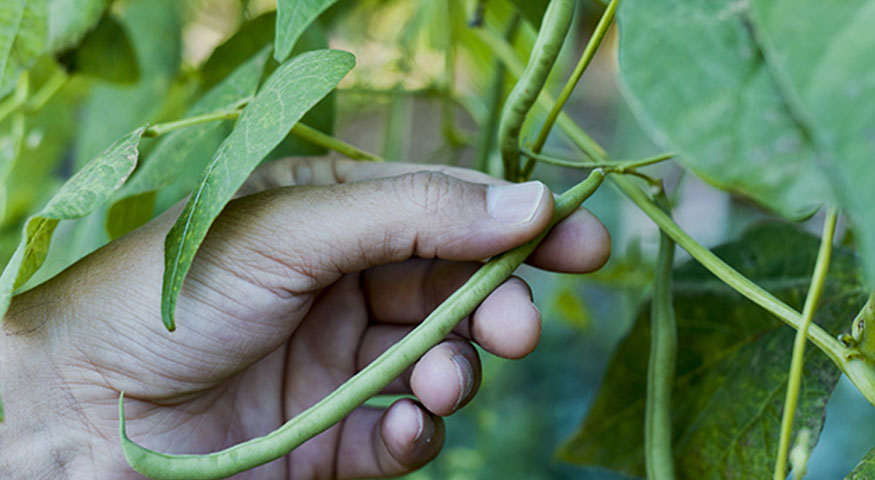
{"x":294,"y":290}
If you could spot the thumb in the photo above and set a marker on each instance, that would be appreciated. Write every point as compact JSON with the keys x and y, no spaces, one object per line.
{"x":317,"y":233}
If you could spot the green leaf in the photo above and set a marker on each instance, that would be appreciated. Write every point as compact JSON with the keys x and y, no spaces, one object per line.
{"x":11,"y":136}
{"x":698,"y":82}
{"x":865,"y":469}
{"x":180,"y":157}
{"x":113,"y":110}
{"x":84,"y":192}
{"x":70,"y":20}
{"x":822,"y":52}
{"x":732,"y":365}
{"x":290,"y":92}
{"x":293,"y":17}
{"x":23,"y":37}
{"x":105,"y":53}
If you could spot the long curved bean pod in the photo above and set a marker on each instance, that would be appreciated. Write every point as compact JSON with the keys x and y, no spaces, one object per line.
{"x":554,"y":27}
{"x":362,"y":386}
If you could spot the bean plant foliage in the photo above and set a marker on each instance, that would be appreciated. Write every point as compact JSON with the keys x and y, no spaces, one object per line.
{"x":112,"y":111}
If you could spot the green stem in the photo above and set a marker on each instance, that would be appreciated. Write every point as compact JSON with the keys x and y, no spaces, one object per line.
{"x":661,"y":368}
{"x":859,"y":370}
{"x":12,"y":102}
{"x":832,"y":347}
{"x":161,"y":128}
{"x":507,"y":55}
{"x":612,"y":166}
{"x":363,"y":385}
{"x":818,"y":279}
{"x":323,"y":140}
{"x":586,"y":57}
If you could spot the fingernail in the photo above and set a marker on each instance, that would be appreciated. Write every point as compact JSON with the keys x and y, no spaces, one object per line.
{"x":426,"y":430}
{"x":516,"y":203}
{"x":466,"y":378}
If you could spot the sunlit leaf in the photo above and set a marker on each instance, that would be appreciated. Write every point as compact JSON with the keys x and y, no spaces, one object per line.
{"x":180,"y":157}
{"x":699,"y":84}
{"x":290,"y":92}
{"x":823,"y":53}
{"x":87,"y":190}
{"x":732,"y":365}
{"x":864,"y":470}
{"x":23,"y":38}
{"x":293,"y":17}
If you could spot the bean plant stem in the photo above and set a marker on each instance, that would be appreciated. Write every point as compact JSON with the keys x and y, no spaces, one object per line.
{"x":161,"y":128}
{"x":818,"y":279}
{"x":300,"y":130}
{"x":506,"y":54}
{"x":661,"y":367}
{"x":316,"y":137}
{"x":363,"y":385}
{"x":726,"y":273}
{"x":615,"y":166}
{"x":858,"y":371}
{"x":592,"y":46}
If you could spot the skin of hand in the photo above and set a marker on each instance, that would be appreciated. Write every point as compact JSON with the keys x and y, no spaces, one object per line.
{"x":315,"y":269}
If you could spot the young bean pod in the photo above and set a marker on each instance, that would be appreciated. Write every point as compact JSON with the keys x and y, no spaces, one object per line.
{"x":661,"y":368}
{"x":554,"y":27}
{"x":363,"y":385}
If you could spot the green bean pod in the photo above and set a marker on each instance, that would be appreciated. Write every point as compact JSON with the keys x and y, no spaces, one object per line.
{"x":554,"y":27}
{"x":363,"y":385}
{"x":661,"y":368}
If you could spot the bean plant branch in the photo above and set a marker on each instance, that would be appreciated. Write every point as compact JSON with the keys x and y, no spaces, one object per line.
{"x":505,"y":53}
{"x":860,"y":372}
{"x":818,"y":279}
{"x":363,"y":385}
{"x":551,"y":36}
{"x":586,"y":57}
{"x":858,"y":369}
{"x":661,"y":366}
{"x":300,"y":130}
{"x":614,"y":166}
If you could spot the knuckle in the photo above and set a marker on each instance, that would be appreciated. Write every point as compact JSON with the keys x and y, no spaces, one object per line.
{"x":430,"y":191}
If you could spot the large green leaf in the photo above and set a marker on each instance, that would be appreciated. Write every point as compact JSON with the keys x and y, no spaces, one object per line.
{"x":822,"y":52}
{"x":293,"y":17}
{"x":105,"y":53}
{"x":180,"y":157}
{"x":732,"y":365}
{"x":699,"y":83}
{"x":83,"y":193}
{"x":23,"y":38}
{"x":865,"y":470}
{"x":291,"y":91}
{"x":70,"y":20}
